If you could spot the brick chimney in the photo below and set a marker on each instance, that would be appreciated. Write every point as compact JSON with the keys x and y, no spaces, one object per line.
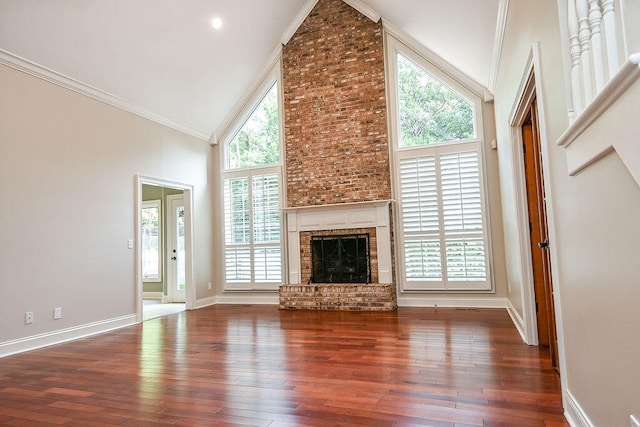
{"x":335,"y":114}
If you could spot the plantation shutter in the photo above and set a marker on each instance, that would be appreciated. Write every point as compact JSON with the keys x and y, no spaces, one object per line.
{"x":252,"y":231}
{"x":266,"y":229}
{"x":444,"y":238}
{"x":462,"y":216}
{"x":421,"y":218}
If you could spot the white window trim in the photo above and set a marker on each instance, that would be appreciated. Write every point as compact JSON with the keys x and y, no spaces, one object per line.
{"x":441,"y":71}
{"x":271,"y":77}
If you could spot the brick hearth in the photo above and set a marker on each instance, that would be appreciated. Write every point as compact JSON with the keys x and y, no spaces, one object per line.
{"x":337,"y":296}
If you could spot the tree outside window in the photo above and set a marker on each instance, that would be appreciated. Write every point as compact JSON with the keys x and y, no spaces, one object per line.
{"x":430,"y":112}
{"x":257,"y":143}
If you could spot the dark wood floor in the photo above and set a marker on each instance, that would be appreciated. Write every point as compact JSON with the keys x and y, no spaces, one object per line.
{"x":256,"y":365}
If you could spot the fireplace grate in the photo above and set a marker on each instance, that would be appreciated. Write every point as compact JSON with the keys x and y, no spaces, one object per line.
{"x":341,"y":259}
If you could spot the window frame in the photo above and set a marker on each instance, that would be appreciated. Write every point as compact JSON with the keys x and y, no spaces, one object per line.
{"x":439,"y":70}
{"x":256,"y":102}
{"x":273,"y":76}
{"x":443,"y":79}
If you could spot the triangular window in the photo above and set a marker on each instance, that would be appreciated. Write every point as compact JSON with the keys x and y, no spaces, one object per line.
{"x":429,"y":111}
{"x":257,"y":143}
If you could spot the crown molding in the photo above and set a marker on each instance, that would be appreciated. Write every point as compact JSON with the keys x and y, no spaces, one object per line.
{"x":298,"y":20}
{"x":498,"y":41}
{"x":46,"y":74}
{"x":308,"y":7}
{"x":364,"y":9}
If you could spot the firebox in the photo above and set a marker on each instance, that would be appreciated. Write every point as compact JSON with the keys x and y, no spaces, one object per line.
{"x":340,"y":259}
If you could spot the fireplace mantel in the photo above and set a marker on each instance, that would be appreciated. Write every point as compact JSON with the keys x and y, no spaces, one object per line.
{"x":343,"y":216}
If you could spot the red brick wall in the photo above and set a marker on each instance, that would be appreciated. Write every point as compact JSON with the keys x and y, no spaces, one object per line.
{"x":335,"y":109}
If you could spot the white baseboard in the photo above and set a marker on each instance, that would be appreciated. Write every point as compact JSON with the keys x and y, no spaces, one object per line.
{"x":452,"y":302}
{"x":8,"y":348}
{"x":205,"y":302}
{"x":574,"y":413}
{"x":406,"y":301}
{"x":247,"y":298}
{"x":517,"y":320}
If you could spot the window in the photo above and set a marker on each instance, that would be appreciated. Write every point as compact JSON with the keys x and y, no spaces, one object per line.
{"x":257,"y":143}
{"x":151,"y":241}
{"x":442,"y":221}
{"x":429,"y":111}
{"x":252,"y":200}
{"x":439,"y":180}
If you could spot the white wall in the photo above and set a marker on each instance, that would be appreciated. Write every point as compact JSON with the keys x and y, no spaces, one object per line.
{"x":67,"y":169}
{"x":597,"y":233}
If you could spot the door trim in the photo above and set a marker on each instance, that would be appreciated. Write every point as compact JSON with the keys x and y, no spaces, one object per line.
{"x":171,"y":270}
{"x":531,"y":87}
{"x":187,"y":189}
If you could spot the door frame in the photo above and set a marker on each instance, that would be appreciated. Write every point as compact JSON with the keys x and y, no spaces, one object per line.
{"x":172,"y":273}
{"x":539,"y":232}
{"x":187,"y":189}
{"x":530,"y":88}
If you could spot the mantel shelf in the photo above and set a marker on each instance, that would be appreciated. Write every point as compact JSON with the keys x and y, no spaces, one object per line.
{"x":337,"y":206}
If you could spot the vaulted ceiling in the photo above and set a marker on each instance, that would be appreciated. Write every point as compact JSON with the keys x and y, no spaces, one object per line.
{"x":163,"y":59}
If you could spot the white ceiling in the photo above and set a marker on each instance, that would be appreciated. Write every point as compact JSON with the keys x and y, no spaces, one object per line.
{"x":163,"y":56}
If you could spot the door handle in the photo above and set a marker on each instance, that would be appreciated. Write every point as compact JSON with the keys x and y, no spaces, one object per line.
{"x":544,"y":245}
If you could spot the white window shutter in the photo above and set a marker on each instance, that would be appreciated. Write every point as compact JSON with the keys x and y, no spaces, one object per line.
{"x":253,"y":257}
{"x":443,"y":232}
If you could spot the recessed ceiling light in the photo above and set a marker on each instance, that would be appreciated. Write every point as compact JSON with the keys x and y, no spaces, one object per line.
{"x":216,"y":23}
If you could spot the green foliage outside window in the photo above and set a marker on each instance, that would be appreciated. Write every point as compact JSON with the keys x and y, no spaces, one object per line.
{"x":257,"y":143}
{"x":429,"y":111}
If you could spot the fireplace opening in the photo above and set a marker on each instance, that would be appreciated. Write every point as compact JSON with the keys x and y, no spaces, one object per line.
{"x":340,"y":259}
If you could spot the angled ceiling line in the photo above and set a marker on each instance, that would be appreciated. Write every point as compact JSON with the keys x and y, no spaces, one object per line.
{"x":498,"y":41}
{"x":28,"y":67}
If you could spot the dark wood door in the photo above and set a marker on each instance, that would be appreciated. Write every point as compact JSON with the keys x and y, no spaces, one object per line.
{"x":539,"y":238}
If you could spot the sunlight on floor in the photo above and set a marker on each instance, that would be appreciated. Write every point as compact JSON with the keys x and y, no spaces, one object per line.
{"x":155,"y":308}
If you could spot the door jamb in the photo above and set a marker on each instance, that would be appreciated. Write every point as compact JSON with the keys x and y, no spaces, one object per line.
{"x":531,"y":86}
{"x":187,"y":189}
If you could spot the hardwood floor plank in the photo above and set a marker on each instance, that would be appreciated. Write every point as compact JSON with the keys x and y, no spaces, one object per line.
{"x":257,"y":365}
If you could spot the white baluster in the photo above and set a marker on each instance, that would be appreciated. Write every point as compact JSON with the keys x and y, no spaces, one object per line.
{"x":576,"y":79}
{"x":611,"y":35}
{"x":595,"y":20}
{"x":584,"y":35}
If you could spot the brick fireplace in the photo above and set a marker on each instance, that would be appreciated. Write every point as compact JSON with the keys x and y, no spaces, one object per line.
{"x":303,"y":222}
{"x":336,"y":153}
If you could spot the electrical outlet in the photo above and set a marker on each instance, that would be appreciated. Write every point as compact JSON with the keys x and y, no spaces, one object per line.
{"x":57,"y":313}
{"x":635,"y":422}
{"x":28,"y":317}
{"x":130,"y":243}
{"x":209,"y":285}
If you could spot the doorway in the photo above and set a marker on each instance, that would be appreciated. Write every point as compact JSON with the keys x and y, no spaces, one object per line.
{"x":539,"y":232}
{"x":175,"y":289}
